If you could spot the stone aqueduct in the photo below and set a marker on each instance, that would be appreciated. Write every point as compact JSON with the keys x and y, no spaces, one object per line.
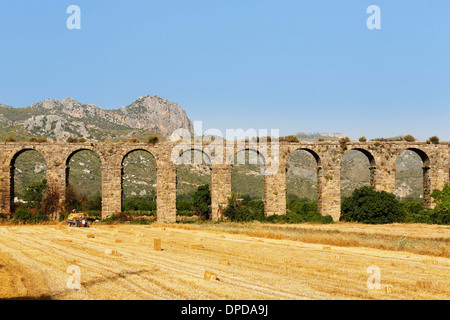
{"x":328,"y":155}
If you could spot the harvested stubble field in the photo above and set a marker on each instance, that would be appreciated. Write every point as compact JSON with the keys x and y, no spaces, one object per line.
{"x":241,"y":261}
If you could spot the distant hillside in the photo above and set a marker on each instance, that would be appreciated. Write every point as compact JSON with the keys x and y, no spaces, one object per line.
{"x":302,"y":136}
{"x":57,"y":120}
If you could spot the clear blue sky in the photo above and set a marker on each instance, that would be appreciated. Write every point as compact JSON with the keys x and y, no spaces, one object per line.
{"x":310,"y":66}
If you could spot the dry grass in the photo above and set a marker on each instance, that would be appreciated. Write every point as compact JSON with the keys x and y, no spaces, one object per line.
{"x":251,"y":261}
{"x":414,"y":238}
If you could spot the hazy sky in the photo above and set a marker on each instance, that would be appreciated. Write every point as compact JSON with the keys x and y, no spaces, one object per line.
{"x":310,"y":66}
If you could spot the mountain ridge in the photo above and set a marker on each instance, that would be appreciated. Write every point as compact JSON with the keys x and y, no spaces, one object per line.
{"x":57,"y":120}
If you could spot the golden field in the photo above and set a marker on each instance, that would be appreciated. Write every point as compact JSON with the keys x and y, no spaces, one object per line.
{"x":225,"y":261}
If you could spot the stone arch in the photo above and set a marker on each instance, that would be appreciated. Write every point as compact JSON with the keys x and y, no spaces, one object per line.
{"x":68,"y":157}
{"x":149,"y":176}
{"x":252,"y":160}
{"x":12,"y":166}
{"x":426,"y":179}
{"x":71,"y":153}
{"x":368,"y":154}
{"x":194,"y":151}
{"x":311,"y":168}
{"x":248,"y":149}
{"x":127,"y":152}
{"x":193,"y":169}
{"x":356,"y":155}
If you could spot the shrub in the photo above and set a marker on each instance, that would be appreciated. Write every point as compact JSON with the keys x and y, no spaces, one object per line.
{"x":239,"y":212}
{"x":38,"y":139}
{"x":184,"y":205}
{"x":301,"y":212}
{"x":366,"y":205}
{"x":152,"y":139}
{"x":23,"y":215}
{"x":134,"y":140}
{"x":10,"y":139}
{"x":34,"y":193}
{"x":434,"y":140}
{"x":343,"y":143}
{"x":75,"y":140}
{"x":362,"y":139}
{"x":413,"y":209}
{"x":290,"y":138}
{"x":409,"y":138}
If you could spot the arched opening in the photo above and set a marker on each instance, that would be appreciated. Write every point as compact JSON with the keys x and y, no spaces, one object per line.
{"x":139,"y":184}
{"x":84,"y":183}
{"x":303,"y":172}
{"x":28,"y":180}
{"x":302,"y":167}
{"x":412,"y":181}
{"x":357,"y":170}
{"x":193,"y":185}
{"x":247,"y":179}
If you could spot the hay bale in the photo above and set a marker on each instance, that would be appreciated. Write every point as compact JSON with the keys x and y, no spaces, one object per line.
{"x":157,"y":244}
{"x":326,"y":248}
{"x":224,"y":262}
{"x":118,"y":240}
{"x":196,"y":246}
{"x":90,"y":235}
{"x":210,"y":276}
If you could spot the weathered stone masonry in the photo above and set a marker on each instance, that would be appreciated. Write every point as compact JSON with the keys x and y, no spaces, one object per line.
{"x":328,"y":155}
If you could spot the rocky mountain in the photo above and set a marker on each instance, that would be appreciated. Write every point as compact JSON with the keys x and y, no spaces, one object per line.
{"x":57,"y":120}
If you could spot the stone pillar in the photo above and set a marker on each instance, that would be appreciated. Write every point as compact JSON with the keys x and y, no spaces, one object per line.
{"x":166,"y":191}
{"x":275,"y":192}
{"x":427,"y":187}
{"x":220,"y":189}
{"x":5,"y":189}
{"x":57,"y":181}
{"x":329,"y":189}
{"x":111,"y":190}
{"x":385,"y":178}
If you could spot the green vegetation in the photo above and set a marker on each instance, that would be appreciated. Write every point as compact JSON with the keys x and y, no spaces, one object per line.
{"x":409,"y":138}
{"x":75,"y":140}
{"x":40,"y":204}
{"x":38,"y":139}
{"x":366,"y":205}
{"x":10,"y":139}
{"x":290,"y":138}
{"x":299,"y":211}
{"x":377,"y":207}
{"x":152,"y":139}
{"x":433,"y":140}
{"x":244,"y":209}
{"x":198,"y":204}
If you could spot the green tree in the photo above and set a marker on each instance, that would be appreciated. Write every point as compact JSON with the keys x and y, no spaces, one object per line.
{"x":201,"y":201}
{"x":373,"y":207}
{"x":34,"y":193}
